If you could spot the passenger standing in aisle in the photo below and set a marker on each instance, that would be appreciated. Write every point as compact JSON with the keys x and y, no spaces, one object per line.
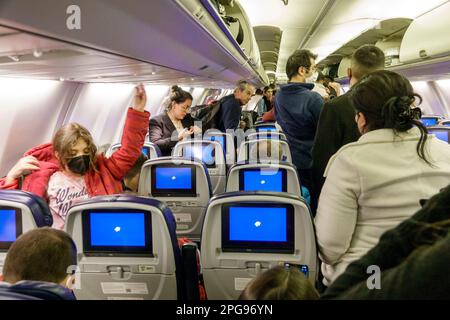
{"x":377,"y":182}
{"x":298,"y":110}
{"x":337,"y":126}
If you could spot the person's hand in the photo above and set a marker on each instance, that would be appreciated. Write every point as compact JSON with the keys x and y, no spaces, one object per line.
{"x":24,"y":166}
{"x":196,"y":130}
{"x":337,"y":87}
{"x":185,"y":133}
{"x":140,"y":98}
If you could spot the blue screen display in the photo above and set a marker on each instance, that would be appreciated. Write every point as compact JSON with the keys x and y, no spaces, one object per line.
{"x":146,"y":151}
{"x":428,"y":122}
{"x":117,"y":229}
{"x":204,"y":153}
{"x":266,"y":129}
{"x":8,"y":226}
{"x":173,"y":178}
{"x":263,"y":180}
{"x":221,"y":140}
{"x":258,"y":224}
{"x":441,"y":135}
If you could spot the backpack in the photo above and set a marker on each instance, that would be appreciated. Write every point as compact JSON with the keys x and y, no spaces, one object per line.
{"x":207,"y":114}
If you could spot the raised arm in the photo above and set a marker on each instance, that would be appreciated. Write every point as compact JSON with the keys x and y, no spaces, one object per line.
{"x":133,"y":137}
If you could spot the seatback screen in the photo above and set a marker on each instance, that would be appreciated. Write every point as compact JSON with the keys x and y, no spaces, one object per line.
{"x":173,"y":180}
{"x":263,"y":227}
{"x":222,"y":141}
{"x":10,"y":226}
{"x":440,"y":134}
{"x":273,"y":180}
{"x":428,"y":122}
{"x":146,"y":151}
{"x":266,"y":129}
{"x":117,"y":231}
{"x":204,"y":152}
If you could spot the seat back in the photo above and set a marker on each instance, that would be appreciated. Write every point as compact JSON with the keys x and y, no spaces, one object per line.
{"x":150,"y":149}
{"x":20,"y":212}
{"x":270,"y":177}
{"x":266,"y":135}
{"x":252,"y":151}
{"x":226,"y":140}
{"x":246,"y":233}
{"x":183,"y":184}
{"x":127,"y":249}
{"x":211,"y":154}
{"x":34,"y":290}
{"x":267,"y":127}
{"x":441,"y":132}
{"x":445,"y":123}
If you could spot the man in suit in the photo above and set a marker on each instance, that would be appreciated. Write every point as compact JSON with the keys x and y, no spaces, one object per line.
{"x":337,"y":126}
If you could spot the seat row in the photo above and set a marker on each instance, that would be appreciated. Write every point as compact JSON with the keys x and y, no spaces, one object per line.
{"x":127,"y":246}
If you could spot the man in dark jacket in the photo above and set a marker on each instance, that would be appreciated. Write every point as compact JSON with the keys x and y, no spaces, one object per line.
{"x":229,"y":115}
{"x":337,"y":126}
{"x":297,"y":111}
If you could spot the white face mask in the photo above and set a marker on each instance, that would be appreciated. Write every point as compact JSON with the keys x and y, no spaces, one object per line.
{"x":312,"y":78}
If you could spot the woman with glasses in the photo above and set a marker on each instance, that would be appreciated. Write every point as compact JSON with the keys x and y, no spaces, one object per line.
{"x":175,"y":124}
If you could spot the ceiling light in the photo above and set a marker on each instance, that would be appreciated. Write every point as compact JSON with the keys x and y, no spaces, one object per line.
{"x":14,"y":58}
{"x":37,"y":53}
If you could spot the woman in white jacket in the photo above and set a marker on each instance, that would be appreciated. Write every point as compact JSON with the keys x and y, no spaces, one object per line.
{"x":377,"y":182}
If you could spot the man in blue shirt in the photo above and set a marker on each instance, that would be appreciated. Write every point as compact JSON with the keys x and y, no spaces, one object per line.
{"x":298,"y":110}
{"x":229,"y":115}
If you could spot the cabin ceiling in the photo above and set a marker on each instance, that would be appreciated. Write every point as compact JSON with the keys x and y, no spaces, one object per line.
{"x":24,"y":55}
{"x":327,"y":26}
{"x":268,"y":39}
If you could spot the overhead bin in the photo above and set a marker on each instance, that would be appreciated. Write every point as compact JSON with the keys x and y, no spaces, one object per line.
{"x":427,"y":36}
{"x":228,"y":23}
{"x":158,"y":32}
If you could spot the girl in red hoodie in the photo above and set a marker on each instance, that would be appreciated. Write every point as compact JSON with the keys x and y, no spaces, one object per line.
{"x":69,"y":168}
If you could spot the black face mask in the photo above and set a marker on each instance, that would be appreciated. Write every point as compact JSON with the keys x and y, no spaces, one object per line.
{"x":79,"y":165}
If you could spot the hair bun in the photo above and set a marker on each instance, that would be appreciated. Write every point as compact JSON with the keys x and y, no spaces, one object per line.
{"x":399,"y":110}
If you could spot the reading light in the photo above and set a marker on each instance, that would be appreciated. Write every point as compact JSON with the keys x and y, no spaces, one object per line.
{"x":37,"y":53}
{"x":14,"y":58}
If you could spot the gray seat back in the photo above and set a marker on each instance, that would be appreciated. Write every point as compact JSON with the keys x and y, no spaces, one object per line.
{"x":246,"y":233}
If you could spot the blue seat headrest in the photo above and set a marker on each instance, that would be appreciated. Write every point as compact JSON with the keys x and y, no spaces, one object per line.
{"x":38,"y":206}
